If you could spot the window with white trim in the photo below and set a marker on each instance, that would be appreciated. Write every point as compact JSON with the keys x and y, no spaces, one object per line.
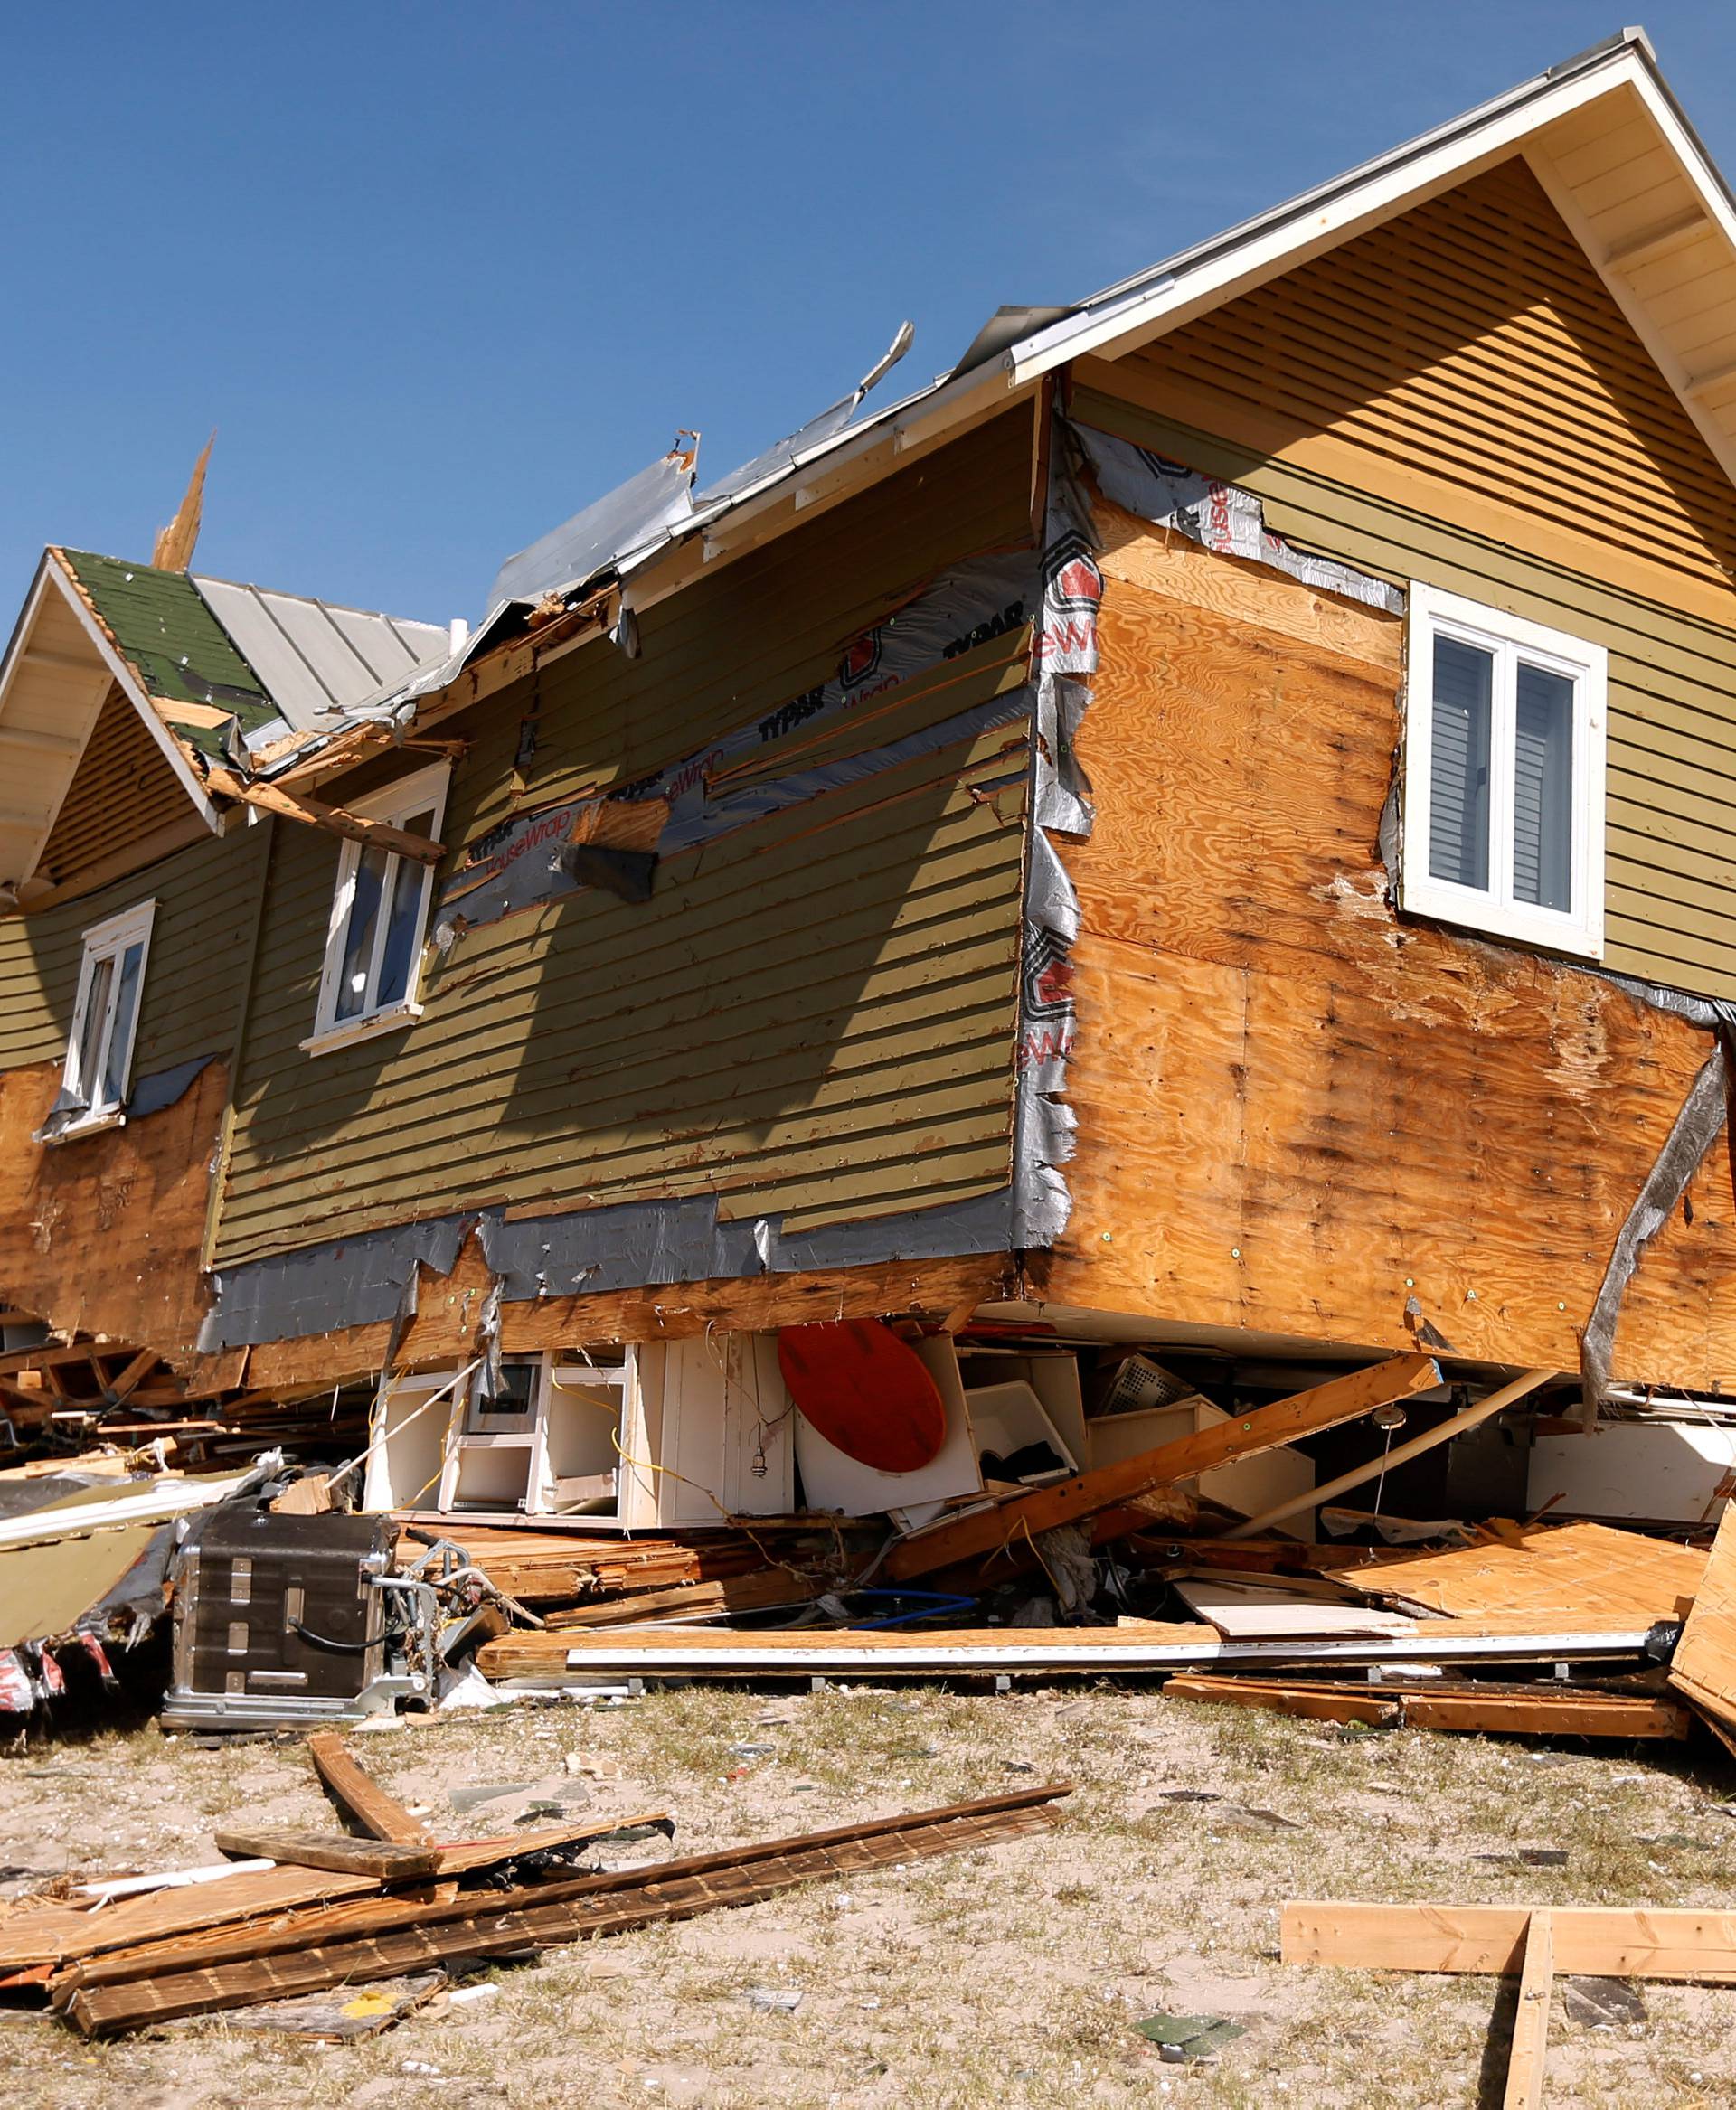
{"x":1503,"y":775}
{"x":105,"y":1024}
{"x":374,"y":942}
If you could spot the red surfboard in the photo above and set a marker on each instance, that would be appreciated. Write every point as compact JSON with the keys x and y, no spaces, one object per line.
{"x":865,"y":1390}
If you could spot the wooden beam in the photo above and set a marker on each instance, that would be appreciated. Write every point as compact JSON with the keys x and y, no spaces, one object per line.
{"x":501,"y":1923}
{"x":345,"y":1857}
{"x":1430,"y":1439}
{"x":1531,"y":2024}
{"x":380,"y":1815}
{"x":123,"y":1387}
{"x":314,"y":814}
{"x":1603,"y":1940}
{"x":1243,"y":1435}
{"x":1537,"y":1710}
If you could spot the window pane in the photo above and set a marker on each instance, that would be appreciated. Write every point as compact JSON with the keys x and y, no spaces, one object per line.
{"x":1458,"y":784}
{"x":114,"y":1065}
{"x":1543,"y":790}
{"x":82,"y":1071}
{"x":358,"y":938}
{"x":408,"y":881}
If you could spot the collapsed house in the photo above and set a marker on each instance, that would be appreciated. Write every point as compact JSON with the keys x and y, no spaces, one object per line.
{"x":1175,"y":868}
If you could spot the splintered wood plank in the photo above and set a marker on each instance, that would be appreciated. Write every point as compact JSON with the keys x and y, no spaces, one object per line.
{"x":57,"y":1935}
{"x":380,"y":1910}
{"x":1597,"y":1941}
{"x":1536,"y":1710}
{"x":379,"y":1858}
{"x":671,"y":1890}
{"x":378,"y":1813}
{"x":1704,"y":1668}
{"x":1582,"y":1575}
{"x":1531,"y":2024}
{"x":1241,"y":1435}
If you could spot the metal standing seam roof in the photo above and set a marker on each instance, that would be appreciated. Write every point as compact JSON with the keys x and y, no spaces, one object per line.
{"x":163,"y":628}
{"x":318,"y":661}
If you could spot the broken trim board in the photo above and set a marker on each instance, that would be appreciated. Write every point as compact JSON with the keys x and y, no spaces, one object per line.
{"x":1537,"y":1710}
{"x":977,"y":1651}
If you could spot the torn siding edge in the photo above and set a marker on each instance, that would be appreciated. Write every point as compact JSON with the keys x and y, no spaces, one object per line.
{"x":371,"y":1279}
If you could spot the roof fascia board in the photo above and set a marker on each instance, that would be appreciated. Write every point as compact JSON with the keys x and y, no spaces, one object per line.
{"x":135,"y":691}
{"x":1326,"y":221}
{"x":829,"y":474}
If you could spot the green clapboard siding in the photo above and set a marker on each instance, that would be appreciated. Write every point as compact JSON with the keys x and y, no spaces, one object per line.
{"x":1671,"y":828}
{"x":207,"y":901}
{"x":814,"y":1015}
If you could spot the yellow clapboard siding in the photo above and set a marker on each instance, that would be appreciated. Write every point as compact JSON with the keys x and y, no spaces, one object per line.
{"x":123,"y":788}
{"x":206,"y":900}
{"x":820,"y":1005}
{"x":1482,"y":287}
{"x":1672,"y":685}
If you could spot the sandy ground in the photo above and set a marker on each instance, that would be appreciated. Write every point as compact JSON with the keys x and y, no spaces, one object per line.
{"x":1012,"y":1976}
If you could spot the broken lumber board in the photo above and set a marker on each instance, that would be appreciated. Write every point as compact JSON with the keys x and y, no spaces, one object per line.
{"x":389,"y":1862}
{"x":1243,"y":1435}
{"x":1597,"y":1941}
{"x":1704,"y":1667}
{"x":1136,"y":1647}
{"x":382,"y":1859}
{"x":59,"y":1934}
{"x":1529,"y":2047}
{"x":764,"y":1592}
{"x":379,"y":1909}
{"x":378,"y":1813}
{"x":272,"y":798}
{"x":626,"y":1898}
{"x":1533,"y":1711}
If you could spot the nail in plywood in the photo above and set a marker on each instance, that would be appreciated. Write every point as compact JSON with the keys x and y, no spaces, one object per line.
{"x":1705,"y":1666}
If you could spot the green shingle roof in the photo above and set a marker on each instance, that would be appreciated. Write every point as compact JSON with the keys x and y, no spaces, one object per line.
{"x":160,"y":624}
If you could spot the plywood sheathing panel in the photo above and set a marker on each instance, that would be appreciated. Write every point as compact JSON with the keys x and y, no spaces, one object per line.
{"x":1704,"y":1665}
{"x":1585,"y":1576}
{"x":813,"y":1017}
{"x":1556,"y":551}
{"x":1297,"y":1113}
{"x":103,"y":1234}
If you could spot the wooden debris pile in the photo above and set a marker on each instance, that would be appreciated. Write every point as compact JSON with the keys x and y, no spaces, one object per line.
{"x":302,"y":1914}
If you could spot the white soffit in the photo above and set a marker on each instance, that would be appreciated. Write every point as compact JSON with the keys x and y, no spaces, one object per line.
{"x":53,"y":684}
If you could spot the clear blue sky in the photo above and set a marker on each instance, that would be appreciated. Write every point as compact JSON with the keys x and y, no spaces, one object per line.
{"x":441,"y":274}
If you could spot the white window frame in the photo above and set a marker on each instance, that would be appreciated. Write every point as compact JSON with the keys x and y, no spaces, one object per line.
{"x":107,"y":940}
{"x":393,"y":804}
{"x":1578,"y":930}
